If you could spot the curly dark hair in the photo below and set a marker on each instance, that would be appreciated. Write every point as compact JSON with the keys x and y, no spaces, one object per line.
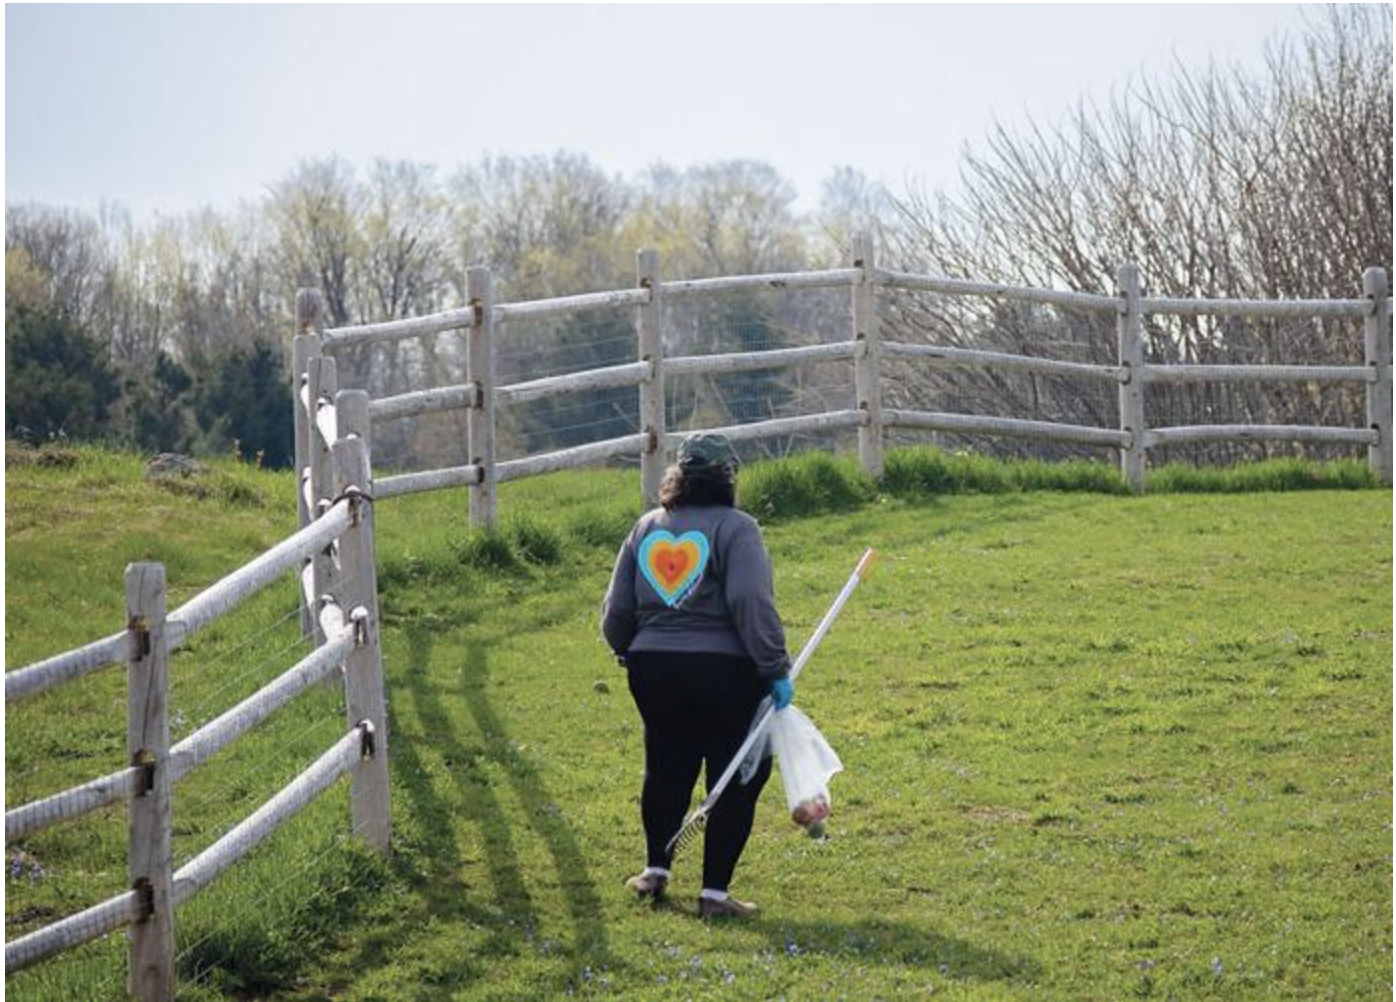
{"x":698,"y":485}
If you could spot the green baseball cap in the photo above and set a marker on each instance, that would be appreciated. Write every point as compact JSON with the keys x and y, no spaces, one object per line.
{"x":707,"y":449}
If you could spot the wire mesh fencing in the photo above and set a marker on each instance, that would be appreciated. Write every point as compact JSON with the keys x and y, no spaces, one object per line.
{"x":988,"y":367}
{"x":528,"y":349}
{"x":62,"y":870}
{"x":1175,"y":340}
{"x":390,"y":368}
{"x":1065,"y":334}
{"x":536,"y":348}
{"x":758,"y":321}
{"x":1018,"y":328}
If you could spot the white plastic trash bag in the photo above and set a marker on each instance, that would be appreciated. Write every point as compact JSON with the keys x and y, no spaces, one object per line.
{"x":807,"y":763}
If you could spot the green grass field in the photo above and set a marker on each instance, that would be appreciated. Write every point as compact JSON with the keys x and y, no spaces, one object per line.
{"x":1096,"y":746}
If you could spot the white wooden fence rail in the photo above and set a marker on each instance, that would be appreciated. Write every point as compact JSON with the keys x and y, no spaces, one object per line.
{"x":225,"y":596}
{"x":216,"y":735}
{"x":350,"y":646}
{"x":1258,"y":307}
{"x":607,"y":378}
{"x":747,"y":361}
{"x":72,"y":803}
{"x":1131,"y":374}
{"x":1260,"y":433}
{"x":566,"y":459}
{"x":429,"y":480}
{"x":65,"y":667}
{"x":999,"y":360}
{"x":1263,"y":373}
{"x":188,"y":619}
{"x":1046,"y":431}
{"x":341,"y":758}
{"x":397,"y":330}
{"x":995,"y":290}
{"x":81,"y":927}
{"x":442,"y":398}
{"x":193,"y":751}
{"x":775,"y":427}
{"x":569,"y":304}
{"x":831,"y":279}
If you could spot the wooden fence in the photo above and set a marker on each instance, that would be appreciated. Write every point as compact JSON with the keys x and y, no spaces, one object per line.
{"x":334,"y":556}
{"x":480,"y":398}
{"x":333,"y":549}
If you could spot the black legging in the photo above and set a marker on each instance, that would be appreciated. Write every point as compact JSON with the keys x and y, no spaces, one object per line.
{"x":696,"y":708}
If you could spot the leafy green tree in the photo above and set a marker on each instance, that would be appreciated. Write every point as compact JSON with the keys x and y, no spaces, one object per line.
{"x":243,"y":400}
{"x":157,"y":407}
{"x":58,"y":381}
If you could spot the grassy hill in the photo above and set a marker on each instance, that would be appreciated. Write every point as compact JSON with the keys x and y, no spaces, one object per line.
{"x":1095,"y":745}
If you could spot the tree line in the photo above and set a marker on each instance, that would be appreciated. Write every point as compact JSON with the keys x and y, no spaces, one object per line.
{"x":1277,"y":182}
{"x":162,"y":318}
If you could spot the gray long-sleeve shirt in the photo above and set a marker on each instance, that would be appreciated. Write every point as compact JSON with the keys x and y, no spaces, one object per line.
{"x":696,"y":579}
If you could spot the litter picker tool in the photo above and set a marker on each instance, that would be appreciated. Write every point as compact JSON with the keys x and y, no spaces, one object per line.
{"x":698,"y":820}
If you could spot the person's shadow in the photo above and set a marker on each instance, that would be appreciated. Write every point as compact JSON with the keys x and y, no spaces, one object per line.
{"x":881,"y":941}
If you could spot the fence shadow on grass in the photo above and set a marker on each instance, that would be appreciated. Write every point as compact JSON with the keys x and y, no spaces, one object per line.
{"x":426,"y":854}
{"x":545,"y":816}
{"x":511,"y":918}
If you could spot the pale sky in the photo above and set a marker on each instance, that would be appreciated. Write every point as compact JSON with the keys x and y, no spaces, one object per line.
{"x":167,"y":108}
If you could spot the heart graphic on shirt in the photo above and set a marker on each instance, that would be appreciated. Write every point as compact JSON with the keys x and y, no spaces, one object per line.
{"x":673,"y":565}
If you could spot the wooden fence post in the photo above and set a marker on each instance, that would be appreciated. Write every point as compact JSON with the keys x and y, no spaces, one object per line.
{"x":649,"y":328}
{"x":1130,"y":331}
{"x":479,"y":369}
{"x":352,"y":415}
{"x":151,"y":974}
{"x":364,"y":694}
{"x":305,"y":345}
{"x":352,"y":406}
{"x":323,"y":382}
{"x":867,"y":362}
{"x":1377,"y":338}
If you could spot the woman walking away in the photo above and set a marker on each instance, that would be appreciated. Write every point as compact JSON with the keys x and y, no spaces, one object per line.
{"x":691,"y":613}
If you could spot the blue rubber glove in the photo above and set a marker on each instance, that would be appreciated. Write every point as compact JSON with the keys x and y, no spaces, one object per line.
{"x":782,"y":692}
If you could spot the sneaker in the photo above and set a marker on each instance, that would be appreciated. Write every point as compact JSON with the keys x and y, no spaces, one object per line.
{"x":648,"y":885}
{"x":729,"y":907}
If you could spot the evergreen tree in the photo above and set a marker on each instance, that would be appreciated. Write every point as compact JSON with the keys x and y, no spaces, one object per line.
{"x":58,"y":381}
{"x":156,"y":407}
{"x":243,"y":400}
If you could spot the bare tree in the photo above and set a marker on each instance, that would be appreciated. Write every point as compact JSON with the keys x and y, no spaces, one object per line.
{"x":1221,"y":183}
{"x":66,"y":247}
{"x":405,"y":240}
{"x":317,"y":215}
